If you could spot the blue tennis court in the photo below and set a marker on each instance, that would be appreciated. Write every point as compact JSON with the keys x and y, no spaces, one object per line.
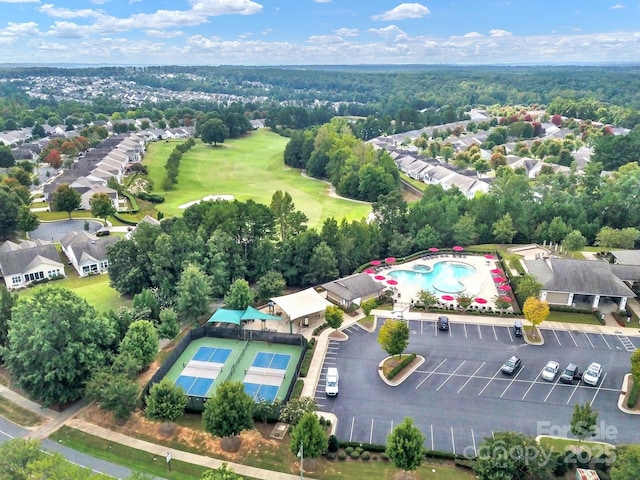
{"x":212,"y":354}
{"x":194,"y":386}
{"x":261,"y":392}
{"x":277,"y":361}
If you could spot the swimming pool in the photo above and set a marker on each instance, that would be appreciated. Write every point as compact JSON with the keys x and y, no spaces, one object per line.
{"x":443,"y":278}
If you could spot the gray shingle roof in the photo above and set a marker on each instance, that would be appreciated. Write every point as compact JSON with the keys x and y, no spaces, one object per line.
{"x":627,"y":257}
{"x":95,"y":250}
{"x":585,"y":277}
{"x":354,"y":286}
{"x":17,"y":261}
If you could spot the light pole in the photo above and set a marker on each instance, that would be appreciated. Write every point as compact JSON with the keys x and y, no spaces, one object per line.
{"x":301,"y":457}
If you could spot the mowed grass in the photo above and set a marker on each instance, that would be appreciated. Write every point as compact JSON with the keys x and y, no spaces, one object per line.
{"x":251,"y":167}
{"x":94,"y":289}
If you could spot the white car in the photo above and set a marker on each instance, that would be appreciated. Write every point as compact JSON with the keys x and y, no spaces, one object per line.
{"x":550,"y":371}
{"x":591,"y":376}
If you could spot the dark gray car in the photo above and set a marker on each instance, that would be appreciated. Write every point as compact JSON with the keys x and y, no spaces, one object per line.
{"x":570,"y":373}
{"x":443,"y":323}
{"x":511,"y":366}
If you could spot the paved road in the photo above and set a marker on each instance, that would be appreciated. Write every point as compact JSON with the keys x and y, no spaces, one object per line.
{"x":459,"y":396}
{"x":54,"y":231}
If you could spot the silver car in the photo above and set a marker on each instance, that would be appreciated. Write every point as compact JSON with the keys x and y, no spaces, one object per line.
{"x":550,"y":371}
{"x":591,"y":376}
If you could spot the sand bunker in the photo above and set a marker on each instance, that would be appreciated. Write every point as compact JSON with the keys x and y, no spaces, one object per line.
{"x":209,"y":198}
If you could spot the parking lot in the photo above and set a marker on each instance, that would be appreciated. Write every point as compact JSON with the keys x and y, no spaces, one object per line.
{"x":459,"y":395}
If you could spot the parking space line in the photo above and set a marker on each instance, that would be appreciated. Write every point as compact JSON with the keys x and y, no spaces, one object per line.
{"x":465,"y":330}
{"x":435,"y":328}
{"x":450,"y":330}
{"x":484,"y":388}
{"x":605,"y":341}
{"x":512,"y":380}
{"x":598,"y":390}
{"x":371,"y":433}
{"x":432,"y":372}
{"x":557,"y":339}
{"x":453,"y":442}
{"x":451,"y":375}
{"x":590,"y":342}
{"x":571,"y":337}
{"x":480,"y":331}
{"x":432,"y":445}
{"x":471,"y":377}
{"x":391,"y":427}
{"x":574,"y":391}
{"x":473,"y":439}
{"x":494,"y":332}
{"x":421,"y":325}
{"x":353,"y":421}
{"x":548,"y":394}
{"x":509,"y":332}
{"x":531,"y":386}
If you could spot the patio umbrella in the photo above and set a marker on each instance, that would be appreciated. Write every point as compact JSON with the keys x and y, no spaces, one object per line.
{"x":457,"y":248}
{"x":488,"y":256}
{"x":504,"y":288}
{"x":390,"y":260}
{"x":369,"y":271}
{"x":379,"y":277}
{"x":480,"y":300}
{"x":497,"y":271}
{"x":391,"y":281}
{"x":375,"y":263}
{"x":506,"y":299}
{"x":499,"y":279}
{"x":447,"y":298}
{"x":434,"y":249}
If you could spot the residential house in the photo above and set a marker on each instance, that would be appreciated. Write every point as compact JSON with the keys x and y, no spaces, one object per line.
{"x":29,"y":261}
{"x":87,"y":252}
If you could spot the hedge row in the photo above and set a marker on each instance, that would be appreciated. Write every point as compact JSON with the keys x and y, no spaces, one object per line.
{"x":632,"y":398}
{"x":297,"y":389}
{"x":403,"y":363}
{"x":374,"y":447}
{"x":134,"y":205}
{"x":308,"y":356}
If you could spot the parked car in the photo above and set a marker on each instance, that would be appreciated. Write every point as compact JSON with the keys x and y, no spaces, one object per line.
{"x":103,"y":233}
{"x":570,"y":373}
{"x":592,"y":374}
{"x":517,"y":328}
{"x":331,"y":386}
{"x":443,"y":323}
{"x":511,"y":366}
{"x":550,"y":371}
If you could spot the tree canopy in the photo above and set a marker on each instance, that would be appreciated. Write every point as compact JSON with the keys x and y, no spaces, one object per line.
{"x":66,"y":199}
{"x":394,"y":337}
{"x":511,"y":456}
{"x":310,"y":434}
{"x":405,"y":445}
{"x":229,"y":412}
{"x":166,"y":401}
{"x":214,"y":131}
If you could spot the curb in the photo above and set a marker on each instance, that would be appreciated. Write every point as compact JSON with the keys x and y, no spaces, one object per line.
{"x":623,"y":393}
{"x":406,"y":375}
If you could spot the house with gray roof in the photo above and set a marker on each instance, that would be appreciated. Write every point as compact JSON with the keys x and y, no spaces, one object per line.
{"x":567,"y":281}
{"x":86,"y":252}
{"x":353,"y":290}
{"x":29,"y":261}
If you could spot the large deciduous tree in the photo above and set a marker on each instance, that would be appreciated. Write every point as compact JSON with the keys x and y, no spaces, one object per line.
{"x":166,"y":402}
{"x":6,"y":157}
{"x":9,"y":212}
{"x":27,"y":220}
{"x":528,"y":286}
{"x":141,"y":342}
{"x":288,"y":220}
{"x":535,"y":310}
{"x":309,"y":434}
{"x":394,"y":337}
{"x":66,"y":199}
{"x":56,"y":340}
{"x":193,"y":292}
{"x":503,"y":229}
{"x":228,"y":413}
{"x":101,"y":206}
{"x":574,"y":241}
{"x":114,"y":390}
{"x":240,"y":295}
{"x":511,"y":456}
{"x":333,"y":315}
{"x":405,"y":446}
{"x":214,"y":131}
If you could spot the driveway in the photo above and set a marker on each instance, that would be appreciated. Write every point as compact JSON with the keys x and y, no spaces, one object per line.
{"x":459,"y":395}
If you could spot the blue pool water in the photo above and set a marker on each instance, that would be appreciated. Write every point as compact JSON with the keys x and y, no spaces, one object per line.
{"x":444,"y":278}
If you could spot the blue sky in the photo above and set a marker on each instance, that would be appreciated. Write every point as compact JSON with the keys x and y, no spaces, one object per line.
{"x":281,"y":32}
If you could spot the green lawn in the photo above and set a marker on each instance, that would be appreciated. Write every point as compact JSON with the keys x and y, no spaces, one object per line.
{"x":571,"y":317}
{"x":248,"y":168}
{"x":94,"y":289}
{"x":564,"y":444}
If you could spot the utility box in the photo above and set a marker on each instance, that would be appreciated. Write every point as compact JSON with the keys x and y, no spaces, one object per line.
{"x":584,"y":474}
{"x":331,"y":385}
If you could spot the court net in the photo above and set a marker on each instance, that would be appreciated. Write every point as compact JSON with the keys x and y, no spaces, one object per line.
{"x":264,"y":376}
{"x":200,"y":369}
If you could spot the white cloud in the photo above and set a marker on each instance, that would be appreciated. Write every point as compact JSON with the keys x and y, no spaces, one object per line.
{"x":347,"y":32}
{"x":19,"y":1}
{"x":496,"y":32}
{"x":213,"y":8}
{"x":266,"y":31}
{"x":617,"y":6}
{"x":322,"y":1}
{"x":473,"y":35}
{"x":403,"y":11}
{"x":51,"y":10}
{"x":325,"y":39}
{"x":15,"y":32}
{"x":164,"y":33}
{"x":100,"y":2}
{"x":389,"y":32}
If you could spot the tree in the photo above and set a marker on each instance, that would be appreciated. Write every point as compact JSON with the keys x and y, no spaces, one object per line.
{"x":333,"y":316}
{"x":166,"y":401}
{"x":56,"y":340}
{"x":9,"y":212}
{"x":405,"y":446}
{"x":6,"y":157}
{"x":503,"y":229}
{"x":271,"y":284}
{"x":27,"y":221}
{"x":627,"y":464}
{"x":214,"y":131}
{"x":635,"y":365}
{"x":169,"y":326}
{"x":309,"y":434}
{"x":427,"y":298}
{"x":615,"y":238}
{"x":464,"y":300}
{"x":66,"y":199}
{"x":38,"y":131}
{"x":15,"y":457}
{"x":368,"y":305}
{"x":394,"y":337}
{"x":101,"y":206}
{"x":511,"y":456}
{"x":288,"y":220}
{"x":114,"y":391}
{"x":53,"y":158}
{"x":193,"y":292}
{"x":583,"y":421}
{"x":501,"y":303}
{"x":141,"y":342}
{"x":239,"y":296}
{"x":147,"y":300}
{"x":220,"y":473}
{"x":7,"y":301}
{"x":267,"y":409}
{"x":528,"y":286}
{"x":535,"y":310}
{"x":574,"y":241}
{"x":295,"y":408}
{"x":228,"y":413}
{"x":325,"y":265}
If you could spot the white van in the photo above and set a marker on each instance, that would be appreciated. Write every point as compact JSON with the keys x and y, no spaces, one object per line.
{"x":331,"y":387}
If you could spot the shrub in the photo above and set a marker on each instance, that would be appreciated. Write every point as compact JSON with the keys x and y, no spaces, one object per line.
{"x":558,"y":464}
{"x":465,"y":463}
{"x":349,"y":450}
{"x":333,"y":445}
{"x":372,"y":447}
{"x":359,"y":449}
{"x":384,"y":456}
{"x":308,"y":356}
{"x":320,"y":328}
{"x":398,"y":368}
{"x":365,"y":455}
{"x":632,"y":398}
{"x":355,"y":455}
{"x":297,"y":389}
{"x":342,"y":456}
{"x":330,"y":456}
